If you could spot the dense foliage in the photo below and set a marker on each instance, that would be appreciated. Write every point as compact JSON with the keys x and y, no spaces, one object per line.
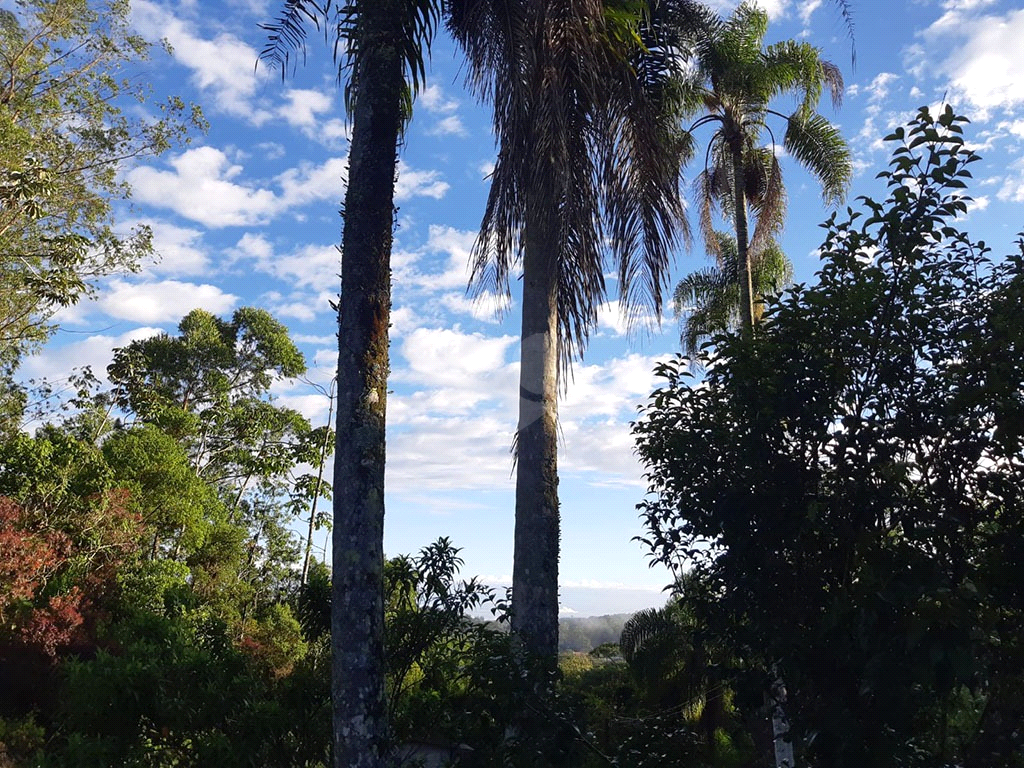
{"x":847,"y":482}
{"x":839,"y":492}
{"x":65,"y":138}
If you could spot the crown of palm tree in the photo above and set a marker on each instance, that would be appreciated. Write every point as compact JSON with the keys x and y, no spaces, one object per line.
{"x":734,"y":83}
{"x":416,"y":27}
{"x":708,"y":300}
{"x":589,"y":143}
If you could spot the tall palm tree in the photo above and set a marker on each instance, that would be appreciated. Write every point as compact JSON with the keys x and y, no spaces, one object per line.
{"x":589,"y":158}
{"x":734,"y":82}
{"x":709,"y":301}
{"x":384,"y":44}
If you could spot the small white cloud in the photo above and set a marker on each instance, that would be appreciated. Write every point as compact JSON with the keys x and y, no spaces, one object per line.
{"x":310,"y":182}
{"x":223,"y":66}
{"x":488,"y":307}
{"x":200,"y":187}
{"x":449,"y":126}
{"x":878,"y":89}
{"x":303,"y":107}
{"x":55,"y":361}
{"x":979,"y":203}
{"x":807,"y":9}
{"x":433,"y":99}
{"x":161,"y":302}
{"x":613,"y":318}
{"x":1012,"y":188}
{"x":456,"y":244}
{"x":413,"y":183}
{"x":179,"y":251}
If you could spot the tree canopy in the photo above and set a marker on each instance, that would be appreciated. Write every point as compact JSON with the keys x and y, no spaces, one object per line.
{"x":65,"y":137}
{"x":860,"y":458}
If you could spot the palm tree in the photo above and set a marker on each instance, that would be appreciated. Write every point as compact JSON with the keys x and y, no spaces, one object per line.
{"x":589,"y":158}
{"x":384,"y":44}
{"x":735,"y":80}
{"x":675,"y":662}
{"x":708,"y":300}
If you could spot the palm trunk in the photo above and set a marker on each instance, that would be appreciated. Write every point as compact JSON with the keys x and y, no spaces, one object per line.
{"x":360,"y":731}
{"x":780,"y":726}
{"x":316,"y":497}
{"x":742,"y":244}
{"x":535,"y":568}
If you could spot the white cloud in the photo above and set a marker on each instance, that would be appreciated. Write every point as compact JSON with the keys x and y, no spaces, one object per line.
{"x":450,"y":358}
{"x":456,"y":244}
{"x":414,"y":183}
{"x":433,"y":99}
{"x":203,"y":185}
{"x":200,"y":187}
{"x":984,"y":68}
{"x":979,"y":203}
{"x":807,"y":9}
{"x":163,"y":301}
{"x":878,"y":88}
{"x":448,"y":126}
{"x":1012,"y":188}
{"x":56,"y":362}
{"x":303,"y":107}
{"x":309,"y":267}
{"x":616,"y":585}
{"x":180,"y":251}
{"x":775,"y":9}
{"x":313,"y":183}
{"x":223,"y":66}
{"x":488,"y":307}
{"x":454,"y":412}
{"x":613,"y":318}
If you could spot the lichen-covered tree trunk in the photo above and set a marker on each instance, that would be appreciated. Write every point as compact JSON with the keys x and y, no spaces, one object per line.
{"x":535,"y":567}
{"x":357,"y":605}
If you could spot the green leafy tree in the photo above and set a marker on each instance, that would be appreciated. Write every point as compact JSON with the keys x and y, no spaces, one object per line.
{"x":860,"y":458}
{"x":203,"y":394}
{"x":589,"y":157}
{"x":174,"y":503}
{"x":207,"y":388}
{"x":64,"y":142}
{"x":735,"y":80}
{"x":385,"y":44}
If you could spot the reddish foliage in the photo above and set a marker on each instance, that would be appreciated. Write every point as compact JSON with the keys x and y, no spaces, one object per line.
{"x":27,"y":558}
{"x":56,"y":625}
{"x":97,"y":539}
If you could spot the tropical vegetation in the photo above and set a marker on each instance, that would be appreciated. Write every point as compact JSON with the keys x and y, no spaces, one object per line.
{"x":734,"y":82}
{"x":838,"y":493}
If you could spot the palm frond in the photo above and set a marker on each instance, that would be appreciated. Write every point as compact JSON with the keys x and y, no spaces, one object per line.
{"x":820,"y":148}
{"x":412,"y":30}
{"x":589,"y":147}
{"x":767,"y":196}
{"x":286,"y":35}
{"x":707,"y":301}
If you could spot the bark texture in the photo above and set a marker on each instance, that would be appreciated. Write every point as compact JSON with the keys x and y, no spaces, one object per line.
{"x":360,"y":734}
{"x":746,"y":272}
{"x":535,"y":566}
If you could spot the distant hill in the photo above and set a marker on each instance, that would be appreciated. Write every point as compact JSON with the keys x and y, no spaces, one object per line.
{"x":585,"y":634}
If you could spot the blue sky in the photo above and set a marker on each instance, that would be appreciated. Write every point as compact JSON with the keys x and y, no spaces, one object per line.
{"x":248,"y":215}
